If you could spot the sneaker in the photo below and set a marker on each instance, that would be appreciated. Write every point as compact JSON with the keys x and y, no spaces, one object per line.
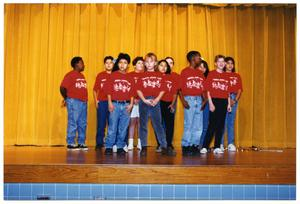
{"x":203,"y":150}
{"x":139,"y":145}
{"x":158,"y":149}
{"x":231,"y":148}
{"x":185,"y":150}
{"x":218,"y":151}
{"x":125,"y":148}
{"x":99,"y":147}
{"x":82,"y":147}
{"x":72,"y":147}
{"x":121,"y":151}
{"x":222,"y":147}
{"x":115,"y":149}
{"x":108,"y":151}
{"x":143,"y":152}
{"x":168,"y":151}
{"x":130,"y":144}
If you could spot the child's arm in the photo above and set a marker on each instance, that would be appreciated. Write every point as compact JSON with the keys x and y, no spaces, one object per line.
{"x":172,"y":105}
{"x":141,"y":95}
{"x":63,"y":92}
{"x":95,"y":98}
{"x":204,"y":100}
{"x":229,"y":105}
{"x":110,"y":104}
{"x":183,"y":101}
{"x":210,"y":103}
{"x":129,"y":107}
{"x":157,"y":99}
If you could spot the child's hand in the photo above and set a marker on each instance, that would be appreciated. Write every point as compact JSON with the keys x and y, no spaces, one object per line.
{"x":203,"y":105}
{"x":148,"y":102}
{"x":172,"y":108}
{"x":229,"y":108}
{"x":111,"y":107}
{"x":232,"y":102}
{"x":96,"y":104}
{"x":136,"y":101}
{"x":155,"y":102}
{"x":212,"y":107}
{"x":185,"y":104}
{"x":63,"y":103}
{"x":129,"y":108}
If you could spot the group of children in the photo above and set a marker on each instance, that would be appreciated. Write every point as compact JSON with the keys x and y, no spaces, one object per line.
{"x":125,"y":101}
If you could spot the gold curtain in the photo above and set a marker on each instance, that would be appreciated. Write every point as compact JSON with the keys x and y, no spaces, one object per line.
{"x":41,"y":39}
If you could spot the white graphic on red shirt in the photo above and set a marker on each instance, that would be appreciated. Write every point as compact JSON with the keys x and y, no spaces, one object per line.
{"x":154,"y":82}
{"x":233,"y":81}
{"x":194,"y":82}
{"x":220,"y":84}
{"x":80,"y":83}
{"x":102,"y":83}
{"x":169,"y":85}
{"x":122,"y":85}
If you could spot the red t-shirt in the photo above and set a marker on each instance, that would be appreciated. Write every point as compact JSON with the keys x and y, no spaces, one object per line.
{"x":151,"y":83}
{"x":101,"y":80}
{"x":235,"y":82}
{"x":172,"y":87}
{"x":135,"y":76}
{"x":217,"y":84}
{"x":120,"y":86}
{"x":191,"y":82}
{"x":75,"y":84}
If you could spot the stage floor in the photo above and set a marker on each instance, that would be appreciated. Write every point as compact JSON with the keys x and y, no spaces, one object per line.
{"x":56,"y":164}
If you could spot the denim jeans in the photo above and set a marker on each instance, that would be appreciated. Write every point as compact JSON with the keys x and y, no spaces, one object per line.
{"x":155,"y":115}
{"x":193,"y":122}
{"x":102,"y":120}
{"x":77,"y":120}
{"x":118,"y":125}
{"x":205,"y":123}
{"x":229,"y":122}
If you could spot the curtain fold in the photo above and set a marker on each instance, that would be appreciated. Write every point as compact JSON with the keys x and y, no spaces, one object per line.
{"x":41,"y":39}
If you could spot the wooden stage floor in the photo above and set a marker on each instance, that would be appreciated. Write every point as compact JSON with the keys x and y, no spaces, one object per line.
{"x":57,"y":165}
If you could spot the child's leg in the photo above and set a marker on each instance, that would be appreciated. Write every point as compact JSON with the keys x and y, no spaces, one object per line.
{"x":81,"y":122}
{"x":155,"y":115}
{"x":112,"y":127}
{"x":211,"y":128}
{"x":221,"y":110}
{"x":143,"y":130}
{"x":205,"y":123}
{"x":102,"y":116}
{"x":124,"y":120}
{"x":188,"y":119}
{"x":230,"y":123}
{"x":197,"y":123}
{"x":224,"y":130}
{"x":168,"y":119}
{"x":72,"y":125}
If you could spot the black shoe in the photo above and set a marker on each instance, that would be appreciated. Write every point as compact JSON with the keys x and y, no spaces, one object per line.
{"x":185,"y":150}
{"x":143,"y":152}
{"x":108,"y":151}
{"x":82,"y":147}
{"x":99,"y":147}
{"x":72,"y":147}
{"x":168,"y":151}
{"x":121,"y":151}
{"x":195,"y":150}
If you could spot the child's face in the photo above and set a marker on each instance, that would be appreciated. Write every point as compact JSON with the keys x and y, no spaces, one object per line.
{"x":123,"y":64}
{"x":150,"y":63}
{"x":229,"y":65}
{"x":170,"y":62}
{"x":220,"y":63}
{"x":197,"y":60}
{"x":202,"y":68}
{"x":80,"y":66}
{"x":139,"y":67}
{"x":109,"y":64}
{"x":162,"y":67}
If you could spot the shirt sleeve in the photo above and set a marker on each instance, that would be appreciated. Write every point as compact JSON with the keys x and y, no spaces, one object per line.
{"x":108,"y":86}
{"x":66,"y":82}
{"x":96,"y":85}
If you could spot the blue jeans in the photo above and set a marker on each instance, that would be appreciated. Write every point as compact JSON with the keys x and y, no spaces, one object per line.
{"x":193,"y":122}
{"x":102,"y":120}
{"x":77,"y":117}
{"x":205,"y":123}
{"x":229,"y":122}
{"x":118,"y":125}
{"x":155,"y":115}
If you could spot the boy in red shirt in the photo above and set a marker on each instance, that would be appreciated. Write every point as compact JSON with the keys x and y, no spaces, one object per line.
{"x":192,"y":81}
{"x":217,"y":85}
{"x":120,"y":92}
{"x":150,"y":89}
{"x":101,"y":101}
{"x":73,"y":89}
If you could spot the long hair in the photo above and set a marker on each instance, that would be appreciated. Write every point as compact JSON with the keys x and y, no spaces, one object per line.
{"x":227,"y":59}
{"x":206,"y":67}
{"x":168,"y":66}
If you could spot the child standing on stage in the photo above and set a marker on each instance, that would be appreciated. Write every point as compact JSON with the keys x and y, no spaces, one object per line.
{"x":205,"y":107}
{"x":192,"y":81}
{"x":150,"y":89}
{"x":235,"y":95}
{"x":74,"y":91}
{"x":101,"y":101}
{"x":120,"y":92}
{"x":218,"y":89}
{"x":138,"y":64}
{"x":168,"y":101}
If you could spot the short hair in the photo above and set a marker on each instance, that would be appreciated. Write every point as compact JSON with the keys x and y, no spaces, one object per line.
{"x":191,"y":54}
{"x":206,"y":67}
{"x":151,"y":55}
{"x":107,"y":58}
{"x":230,"y":59}
{"x":121,"y":56}
{"x":139,"y":58}
{"x":168,"y":66}
{"x":171,"y":58}
{"x":75,"y":60}
{"x":219,"y":57}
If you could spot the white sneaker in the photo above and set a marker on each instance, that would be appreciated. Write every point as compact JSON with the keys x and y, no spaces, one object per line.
{"x":222,"y":147}
{"x":231,"y":148}
{"x":115,"y":148}
{"x":139,"y":145}
{"x":203,"y":151}
{"x":130,"y":144}
{"x":125,"y":148}
{"x":218,"y":151}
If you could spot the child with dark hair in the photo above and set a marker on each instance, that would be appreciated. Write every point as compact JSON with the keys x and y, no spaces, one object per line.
{"x":235,"y":95}
{"x":192,"y":80}
{"x":138,"y":64}
{"x":74,"y":91}
{"x":168,"y":101}
{"x":120,"y":92}
{"x":218,"y":88}
{"x":101,"y":103}
{"x":150,"y":89}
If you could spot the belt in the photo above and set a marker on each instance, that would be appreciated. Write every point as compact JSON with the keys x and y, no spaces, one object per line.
{"x":116,"y":101}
